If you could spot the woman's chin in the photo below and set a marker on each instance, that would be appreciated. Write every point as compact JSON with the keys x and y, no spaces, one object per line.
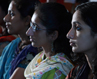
{"x":10,"y":32}
{"x":33,"y":44}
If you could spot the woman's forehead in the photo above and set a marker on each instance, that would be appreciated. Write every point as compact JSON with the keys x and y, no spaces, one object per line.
{"x":34,"y":17}
{"x":11,"y":6}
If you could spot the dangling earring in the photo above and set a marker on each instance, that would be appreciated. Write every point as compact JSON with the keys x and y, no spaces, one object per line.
{"x":52,"y":47}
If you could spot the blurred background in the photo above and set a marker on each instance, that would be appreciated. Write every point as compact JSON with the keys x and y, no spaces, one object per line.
{"x":69,"y":4}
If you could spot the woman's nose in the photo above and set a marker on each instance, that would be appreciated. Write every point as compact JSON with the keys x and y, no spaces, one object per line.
{"x":6,"y":18}
{"x":29,"y":32}
{"x":71,"y":34}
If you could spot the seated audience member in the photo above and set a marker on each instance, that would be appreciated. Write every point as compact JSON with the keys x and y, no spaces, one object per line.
{"x":5,"y":38}
{"x":19,"y":52}
{"x":49,"y":23}
{"x":83,"y":40}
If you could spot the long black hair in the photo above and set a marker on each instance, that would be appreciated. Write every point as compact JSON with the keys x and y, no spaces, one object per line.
{"x":88,"y":12}
{"x":26,"y":7}
{"x":55,"y":17}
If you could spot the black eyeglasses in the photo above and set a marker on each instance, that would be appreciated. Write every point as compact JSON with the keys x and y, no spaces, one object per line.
{"x":35,"y":27}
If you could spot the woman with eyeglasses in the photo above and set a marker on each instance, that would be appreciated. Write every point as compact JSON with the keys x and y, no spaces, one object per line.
{"x":49,"y":23}
{"x":20,"y":51}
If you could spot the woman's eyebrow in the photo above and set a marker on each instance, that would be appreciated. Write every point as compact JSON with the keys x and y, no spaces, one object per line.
{"x":76,"y":22}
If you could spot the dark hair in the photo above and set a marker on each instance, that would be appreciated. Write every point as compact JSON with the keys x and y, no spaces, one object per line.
{"x":89,"y":14}
{"x":55,"y":17}
{"x":4,"y":5}
{"x":26,"y":7}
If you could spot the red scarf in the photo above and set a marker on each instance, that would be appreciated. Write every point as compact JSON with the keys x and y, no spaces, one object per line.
{"x":7,"y":38}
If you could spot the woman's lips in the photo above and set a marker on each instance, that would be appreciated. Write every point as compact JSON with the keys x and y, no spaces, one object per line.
{"x":8,"y":24}
{"x":31,"y":40}
{"x":72,"y":43}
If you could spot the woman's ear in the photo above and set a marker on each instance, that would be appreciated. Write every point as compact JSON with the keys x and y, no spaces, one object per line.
{"x":27,"y":20}
{"x":54,"y":35}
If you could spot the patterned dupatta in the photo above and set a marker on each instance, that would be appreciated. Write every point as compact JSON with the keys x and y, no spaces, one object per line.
{"x":38,"y":66}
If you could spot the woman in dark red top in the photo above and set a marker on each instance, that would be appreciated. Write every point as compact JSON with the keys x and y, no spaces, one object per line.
{"x":83,"y":40}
